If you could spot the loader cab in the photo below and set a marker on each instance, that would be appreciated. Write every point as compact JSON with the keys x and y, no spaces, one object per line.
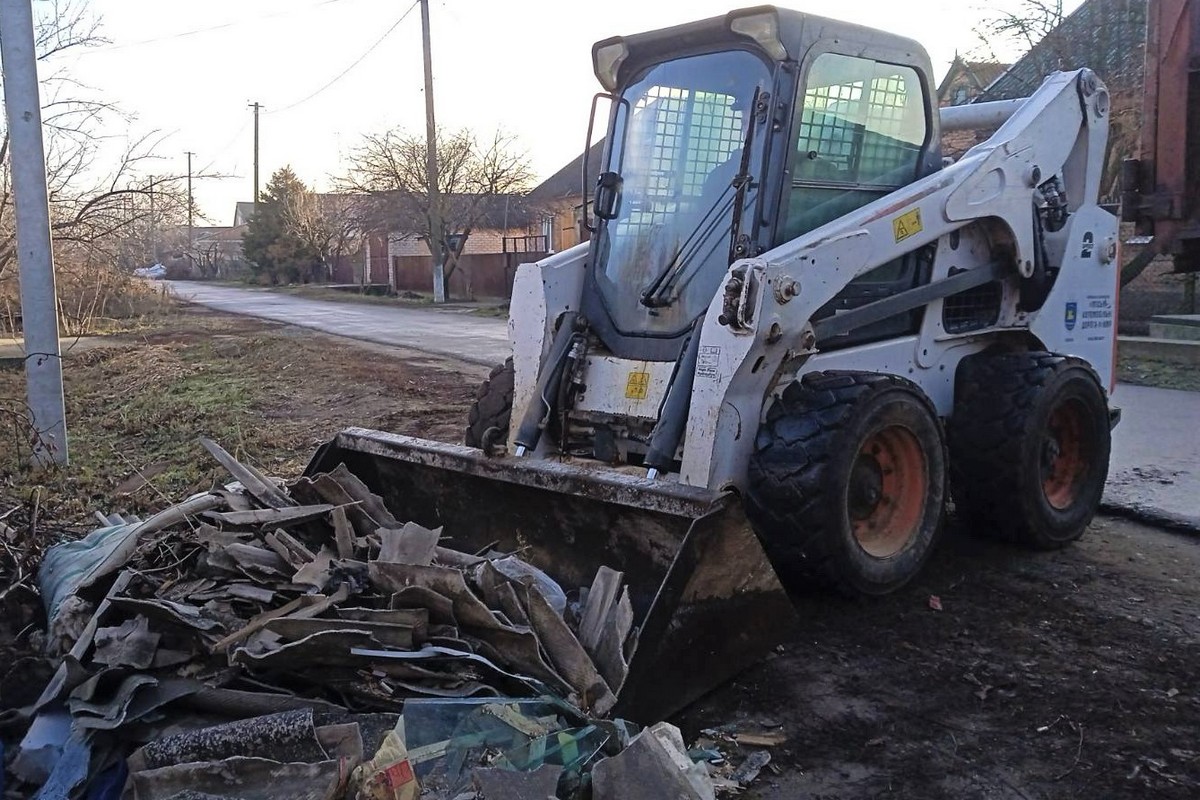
{"x":863,"y":126}
{"x":730,"y":136}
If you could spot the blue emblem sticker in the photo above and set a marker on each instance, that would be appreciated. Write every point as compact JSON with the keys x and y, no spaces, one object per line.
{"x":1070,"y":315}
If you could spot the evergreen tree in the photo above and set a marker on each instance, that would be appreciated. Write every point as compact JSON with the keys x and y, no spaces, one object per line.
{"x":274,"y":243}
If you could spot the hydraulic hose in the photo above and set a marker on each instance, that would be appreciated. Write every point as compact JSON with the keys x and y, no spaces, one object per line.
{"x":673,"y":418}
{"x":539,"y":410}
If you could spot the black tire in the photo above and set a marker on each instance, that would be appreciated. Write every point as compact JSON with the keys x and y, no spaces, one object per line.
{"x":847,"y":482}
{"x":1029,"y":447}
{"x":488,"y":419}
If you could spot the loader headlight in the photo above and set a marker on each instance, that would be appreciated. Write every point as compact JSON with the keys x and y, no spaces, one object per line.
{"x":607,"y":57}
{"x":763,"y":27}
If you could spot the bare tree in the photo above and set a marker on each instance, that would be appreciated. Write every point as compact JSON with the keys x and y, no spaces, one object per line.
{"x":329,"y":224}
{"x":98,"y":205}
{"x":1021,"y":26}
{"x":390,"y":168}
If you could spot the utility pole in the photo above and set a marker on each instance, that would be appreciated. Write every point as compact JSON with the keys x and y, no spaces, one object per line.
{"x":35,"y":255}
{"x":256,"y":106}
{"x":153,"y":227}
{"x":189,"y":241}
{"x":431,"y":167}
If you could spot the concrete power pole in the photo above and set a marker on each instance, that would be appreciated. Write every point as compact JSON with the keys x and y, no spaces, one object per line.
{"x":35,"y":255}
{"x":190,"y":233}
{"x":256,"y":106}
{"x":431,"y":166}
{"x":153,"y":227}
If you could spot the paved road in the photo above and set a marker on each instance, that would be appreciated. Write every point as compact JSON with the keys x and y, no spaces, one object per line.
{"x":1155,"y":468}
{"x":445,"y":332}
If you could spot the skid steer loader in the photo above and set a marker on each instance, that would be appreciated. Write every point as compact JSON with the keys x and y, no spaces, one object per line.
{"x":794,"y":332}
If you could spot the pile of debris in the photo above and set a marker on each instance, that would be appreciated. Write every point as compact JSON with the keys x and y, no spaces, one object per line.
{"x":299,"y":641}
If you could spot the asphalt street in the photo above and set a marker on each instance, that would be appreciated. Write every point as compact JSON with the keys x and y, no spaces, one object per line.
{"x":1154,"y":473}
{"x":451,"y":332}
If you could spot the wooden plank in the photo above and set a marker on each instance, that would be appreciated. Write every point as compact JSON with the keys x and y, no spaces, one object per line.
{"x":368,"y":500}
{"x":289,"y":549}
{"x":609,"y":652}
{"x":606,"y":588}
{"x":262,"y":489}
{"x":295,"y":628}
{"x":343,"y":533}
{"x":772,"y":739}
{"x":300,"y":608}
{"x":272,"y":516}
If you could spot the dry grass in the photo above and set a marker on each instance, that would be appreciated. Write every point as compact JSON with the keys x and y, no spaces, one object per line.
{"x":1161,"y":374}
{"x":269,"y":394}
{"x":92,"y":299}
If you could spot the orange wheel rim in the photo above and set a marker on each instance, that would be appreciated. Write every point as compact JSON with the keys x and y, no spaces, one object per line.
{"x":886,"y":496}
{"x":1064,"y":459}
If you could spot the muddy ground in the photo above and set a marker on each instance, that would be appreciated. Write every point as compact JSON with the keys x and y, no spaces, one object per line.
{"x":1063,"y":675}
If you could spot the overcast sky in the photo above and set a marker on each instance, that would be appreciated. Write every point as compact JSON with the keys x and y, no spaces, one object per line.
{"x":189,"y":69}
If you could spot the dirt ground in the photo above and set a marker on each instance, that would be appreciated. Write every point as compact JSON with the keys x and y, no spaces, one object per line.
{"x":1064,"y":675}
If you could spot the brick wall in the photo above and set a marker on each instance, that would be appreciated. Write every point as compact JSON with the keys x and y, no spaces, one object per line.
{"x":1158,"y":290}
{"x":480,"y":242}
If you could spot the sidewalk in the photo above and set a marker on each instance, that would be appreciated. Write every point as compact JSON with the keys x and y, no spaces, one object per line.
{"x":1154,"y":472}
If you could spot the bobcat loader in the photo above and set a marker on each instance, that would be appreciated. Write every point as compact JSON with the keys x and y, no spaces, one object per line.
{"x":795,"y":331}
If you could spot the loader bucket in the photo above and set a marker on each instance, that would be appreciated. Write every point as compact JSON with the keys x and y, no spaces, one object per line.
{"x":706,"y":602}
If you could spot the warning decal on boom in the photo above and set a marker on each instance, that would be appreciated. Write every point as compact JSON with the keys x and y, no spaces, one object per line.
{"x":907,"y":224}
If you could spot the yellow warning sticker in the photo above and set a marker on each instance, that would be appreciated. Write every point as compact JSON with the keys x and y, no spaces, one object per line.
{"x":638,"y":385}
{"x":907,"y":224}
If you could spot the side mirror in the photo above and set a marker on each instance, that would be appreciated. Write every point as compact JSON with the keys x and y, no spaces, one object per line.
{"x":608,"y":195}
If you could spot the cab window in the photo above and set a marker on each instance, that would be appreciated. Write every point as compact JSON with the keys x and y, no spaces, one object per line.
{"x":860,"y":132}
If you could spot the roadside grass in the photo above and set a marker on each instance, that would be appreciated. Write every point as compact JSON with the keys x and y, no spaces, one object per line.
{"x":319,"y":292}
{"x":134,"y":418}
{"x":483,"y":307}
{"x":1159,"y":374}
{"x":136,"y":410}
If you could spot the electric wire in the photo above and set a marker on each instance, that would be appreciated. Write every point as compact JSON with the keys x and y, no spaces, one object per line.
{"x":226,"y":147}
{"x":356,"y":62}
{"x":108,"y":48}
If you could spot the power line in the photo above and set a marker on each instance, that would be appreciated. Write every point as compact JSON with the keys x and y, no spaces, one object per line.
{"x":210,"y":29}
{"x":225,"y":147}
{"x":357,"y":61}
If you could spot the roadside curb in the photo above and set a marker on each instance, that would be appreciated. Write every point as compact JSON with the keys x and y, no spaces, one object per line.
{"x":1175,"y":351}
{"x":1152,"y":516}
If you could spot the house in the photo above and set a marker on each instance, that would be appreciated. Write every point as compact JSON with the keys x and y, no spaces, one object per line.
{"x":505,"y":231}
{"x":561,"y":199}
{"x":967,"y":80}
{"x":343,"y":239}
{"x":242,"y":214}
{"x":217,"y":251}
{"x":1106,"y":36}
{"x":1111,"y":37}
